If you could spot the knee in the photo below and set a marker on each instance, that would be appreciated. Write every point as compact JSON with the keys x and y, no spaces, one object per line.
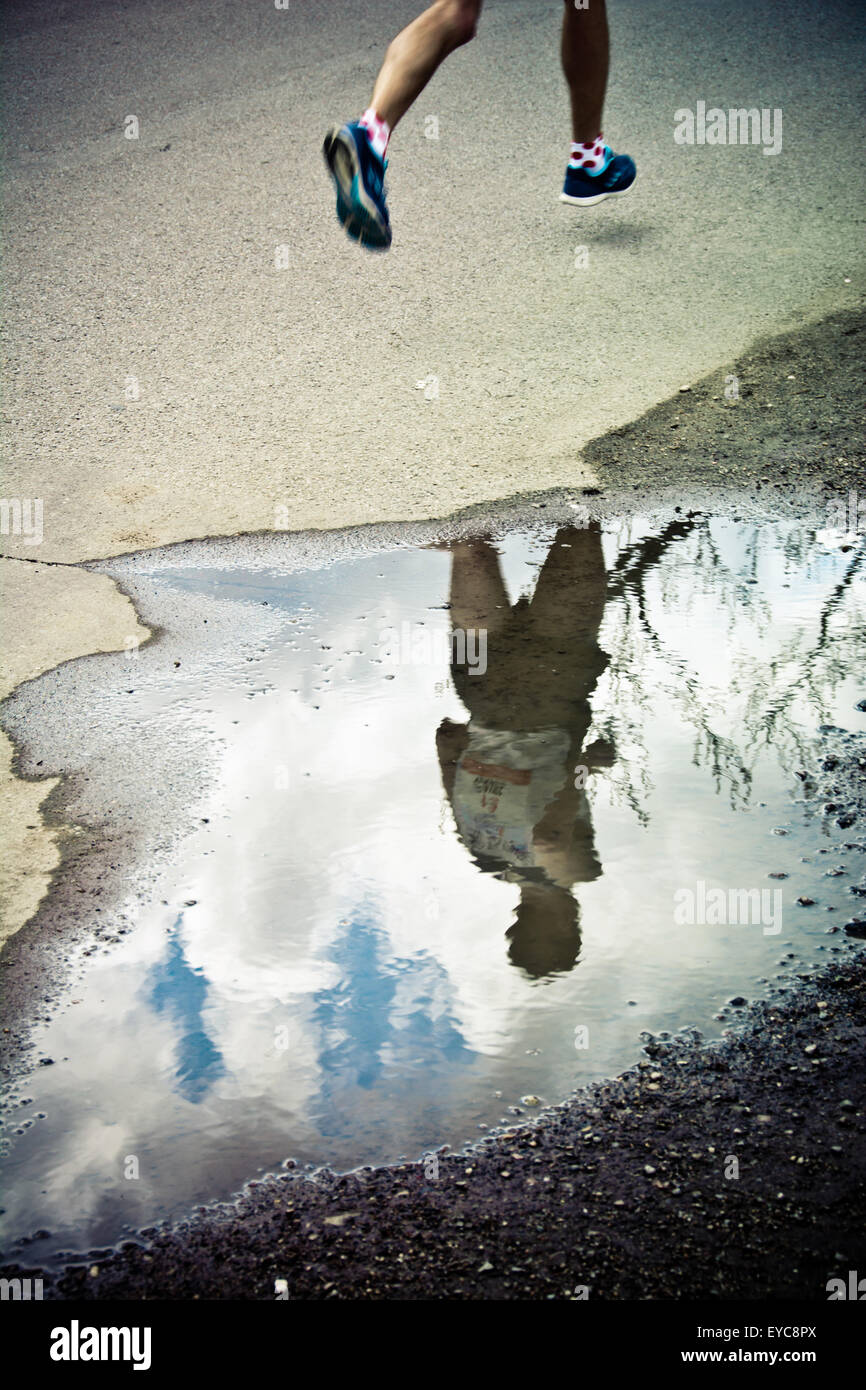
{"x":461,"y":20}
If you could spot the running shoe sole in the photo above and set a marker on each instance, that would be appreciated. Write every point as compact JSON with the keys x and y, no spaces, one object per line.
{"x":355,"y":208}
{"x":596,"y":198}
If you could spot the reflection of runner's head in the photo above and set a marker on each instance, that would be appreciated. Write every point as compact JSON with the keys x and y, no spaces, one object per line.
{"x":545,"y":936}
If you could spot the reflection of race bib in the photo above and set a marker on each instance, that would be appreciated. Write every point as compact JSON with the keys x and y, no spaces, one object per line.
{"x":503,"y":784}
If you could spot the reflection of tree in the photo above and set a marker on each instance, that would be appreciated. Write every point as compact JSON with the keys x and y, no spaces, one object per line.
{"x":812,"y":670}
{"x":661,"y":586}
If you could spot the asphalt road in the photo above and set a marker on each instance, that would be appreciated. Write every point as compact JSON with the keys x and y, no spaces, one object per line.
{"x":262,"y":388}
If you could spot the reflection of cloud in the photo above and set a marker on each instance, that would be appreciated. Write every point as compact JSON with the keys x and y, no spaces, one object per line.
{"x":82,"y":1179}
{"x":836,"y":539}
{"x":289,"y":869}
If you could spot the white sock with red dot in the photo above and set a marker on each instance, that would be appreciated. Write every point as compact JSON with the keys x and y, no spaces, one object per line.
{"x":592,"y":157}
{"x":379,"y":131}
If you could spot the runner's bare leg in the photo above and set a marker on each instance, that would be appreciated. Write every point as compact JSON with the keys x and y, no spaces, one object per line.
{"x":585,"y":61}
{"x":416,"y":53}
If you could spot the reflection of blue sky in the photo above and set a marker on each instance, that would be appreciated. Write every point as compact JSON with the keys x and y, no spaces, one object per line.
{"x":386,"y":1017}
{"x":179,"y":991}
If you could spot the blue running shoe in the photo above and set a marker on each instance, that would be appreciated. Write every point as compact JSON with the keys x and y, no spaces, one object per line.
{"x":615,"y":177}
{"x":358,"y":175}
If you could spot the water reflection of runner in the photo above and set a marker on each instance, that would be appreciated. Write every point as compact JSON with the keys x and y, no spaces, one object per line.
{"x":510,"y":772}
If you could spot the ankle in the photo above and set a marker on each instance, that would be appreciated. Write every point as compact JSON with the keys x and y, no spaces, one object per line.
{"x":378,"y":131}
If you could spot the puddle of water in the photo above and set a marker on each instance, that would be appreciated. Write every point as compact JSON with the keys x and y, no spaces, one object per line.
{"x":420,"y":892}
